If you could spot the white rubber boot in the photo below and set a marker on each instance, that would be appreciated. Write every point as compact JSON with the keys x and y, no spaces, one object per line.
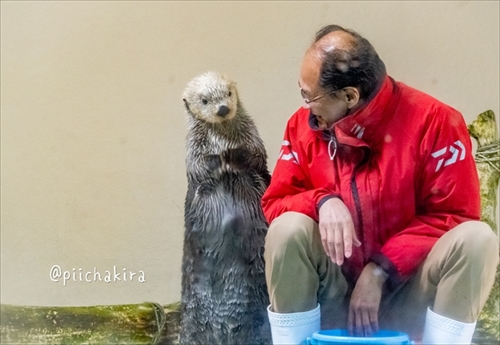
{"x":294,"y":328}
{"x":442,"y":330}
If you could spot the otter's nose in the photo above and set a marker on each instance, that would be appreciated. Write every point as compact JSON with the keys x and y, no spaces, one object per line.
{"x":223,"y":111}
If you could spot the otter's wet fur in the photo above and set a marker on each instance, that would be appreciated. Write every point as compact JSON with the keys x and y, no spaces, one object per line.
{"x":224,"y":294}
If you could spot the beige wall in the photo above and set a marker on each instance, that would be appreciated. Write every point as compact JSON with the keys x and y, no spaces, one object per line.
{"x":93,"y":124}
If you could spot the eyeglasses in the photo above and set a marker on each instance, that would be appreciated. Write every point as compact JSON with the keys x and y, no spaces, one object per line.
{"x":314,"y":99}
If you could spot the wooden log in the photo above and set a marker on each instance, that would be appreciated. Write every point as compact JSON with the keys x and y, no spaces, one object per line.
{"x":118,"y":324}
{"x":172,"y":328}
{"x":484,"y":129}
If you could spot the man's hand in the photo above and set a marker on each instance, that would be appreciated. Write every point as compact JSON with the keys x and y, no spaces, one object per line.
{"x":365,"y":301}
{"x":337,"y":230}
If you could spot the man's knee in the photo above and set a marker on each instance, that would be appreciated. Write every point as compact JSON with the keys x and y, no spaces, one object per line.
{"x":477,"y":240}
{"x":289,"y":229}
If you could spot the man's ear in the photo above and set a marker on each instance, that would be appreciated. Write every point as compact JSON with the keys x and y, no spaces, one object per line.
{"x":352,"y":96}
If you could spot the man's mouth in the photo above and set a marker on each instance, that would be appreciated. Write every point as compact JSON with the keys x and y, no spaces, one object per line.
{"x":321,"y":122}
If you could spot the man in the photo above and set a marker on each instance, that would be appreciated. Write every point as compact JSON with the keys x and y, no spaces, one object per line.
{"x":373,"y":207}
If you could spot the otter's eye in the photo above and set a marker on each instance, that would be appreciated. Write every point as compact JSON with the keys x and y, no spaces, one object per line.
{"x":204,"y":100}
{"x":229,"y":94}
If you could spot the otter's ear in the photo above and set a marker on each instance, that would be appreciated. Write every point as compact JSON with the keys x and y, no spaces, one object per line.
{"x":186,"y":104}
{"x":233,"y":87}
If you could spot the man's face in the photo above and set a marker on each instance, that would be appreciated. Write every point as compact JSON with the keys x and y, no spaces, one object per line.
{"x":328,"y":109}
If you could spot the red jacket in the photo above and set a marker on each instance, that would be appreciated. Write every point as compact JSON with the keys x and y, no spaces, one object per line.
{"x":403,"y":166}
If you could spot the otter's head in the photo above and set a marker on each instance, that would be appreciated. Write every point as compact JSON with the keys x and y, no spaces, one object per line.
{"x":211,"y":97}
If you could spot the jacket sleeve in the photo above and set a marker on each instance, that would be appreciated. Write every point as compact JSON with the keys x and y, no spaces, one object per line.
{"x":291,"y":188}
{"x":447,"y":195}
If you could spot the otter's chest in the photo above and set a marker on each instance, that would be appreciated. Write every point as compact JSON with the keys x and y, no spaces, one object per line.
{"x":216,"y":144}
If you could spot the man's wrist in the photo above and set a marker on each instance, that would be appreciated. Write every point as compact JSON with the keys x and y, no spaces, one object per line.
{"x":378,"y":272}
{"x":325,"y":199}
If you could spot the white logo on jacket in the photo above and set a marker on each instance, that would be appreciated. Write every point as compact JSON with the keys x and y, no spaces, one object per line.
{"x":358,"y":131}
{"x":287,"y":154}
{"x":455,"y":154}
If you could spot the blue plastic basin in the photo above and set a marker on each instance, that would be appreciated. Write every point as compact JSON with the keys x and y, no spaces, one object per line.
{"x":341,"y":336}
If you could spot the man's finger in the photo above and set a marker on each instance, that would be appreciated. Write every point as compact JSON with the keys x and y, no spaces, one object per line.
{"x":358,"y":321}
{"x":365,"y":319}
{"x":355,"y":240}
{"x":374,"y":321}
{"x":339,"y":246}
{"x":348,"y":237}
{"x":350,"y":322}
{"x":324,"y":239}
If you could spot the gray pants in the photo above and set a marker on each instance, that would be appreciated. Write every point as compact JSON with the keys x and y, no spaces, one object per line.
{"x":454,"y":280}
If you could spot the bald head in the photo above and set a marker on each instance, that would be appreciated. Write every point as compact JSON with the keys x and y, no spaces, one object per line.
{"x":344,"y":58}
{"x":338,"y":39}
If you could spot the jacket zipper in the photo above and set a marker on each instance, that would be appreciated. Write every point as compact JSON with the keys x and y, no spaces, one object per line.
{"x":332,"y":147}
{"x":355,"y":192}
{"x":357,"y":202}
{"x":332,"y":152}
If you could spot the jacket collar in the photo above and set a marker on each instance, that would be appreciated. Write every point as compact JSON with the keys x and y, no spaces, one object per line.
{"x":358,"y":128}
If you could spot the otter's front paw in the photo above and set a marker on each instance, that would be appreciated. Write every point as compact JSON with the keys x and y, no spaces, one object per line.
{"x":213,"y":162}
{"x":238,"y":158}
